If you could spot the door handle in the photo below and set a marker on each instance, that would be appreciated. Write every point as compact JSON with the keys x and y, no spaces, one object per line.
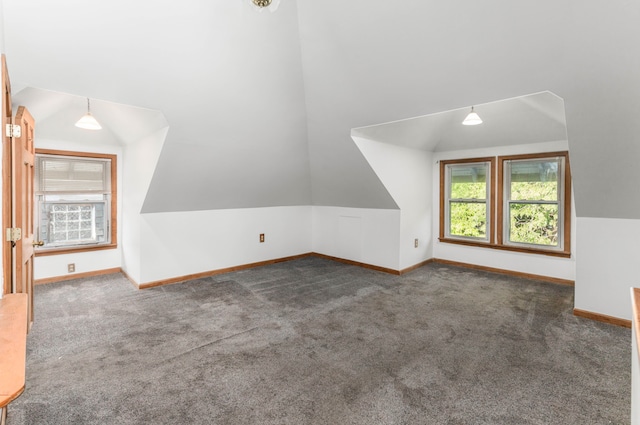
{"x":39,"y":243}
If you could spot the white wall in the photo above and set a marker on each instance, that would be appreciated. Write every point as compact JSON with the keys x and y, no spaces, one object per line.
{"x":183,"y":243}
{"x":407,"y":175}
{"x":556,"y":267}
{"x":1,"y":27}
{"x":608,"y":251}
{"x":369,"y":236}
{"x":154,"y":247}
{"x":139,"y":162}
{"x":56,"y":265}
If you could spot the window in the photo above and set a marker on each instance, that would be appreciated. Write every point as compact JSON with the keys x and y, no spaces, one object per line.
{"x":532,"y":199}
{"x":468,"y":206}
{"x":75,"y":201}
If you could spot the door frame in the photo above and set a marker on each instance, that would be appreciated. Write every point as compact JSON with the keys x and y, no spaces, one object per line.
{"x":7,"y":207}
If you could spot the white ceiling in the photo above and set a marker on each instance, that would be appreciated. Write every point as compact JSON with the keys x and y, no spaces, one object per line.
{"x":535,"y":118}
{"x":261,"y":105}
{"x":58,"y":112}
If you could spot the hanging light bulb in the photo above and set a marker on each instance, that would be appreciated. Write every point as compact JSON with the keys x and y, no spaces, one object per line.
{"x":472,"y":118}
{"x":87,"y":121}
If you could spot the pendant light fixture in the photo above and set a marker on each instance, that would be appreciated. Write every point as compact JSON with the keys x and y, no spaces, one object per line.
{"x":87,"y":121}
{"x":472,"y":118}
{"x":261,"y":5}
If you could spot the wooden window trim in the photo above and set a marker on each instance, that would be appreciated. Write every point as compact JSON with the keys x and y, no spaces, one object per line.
{"x":492,"y":201}
{"x":497,"y":199}
{"x":114,"y":204}
{"x":566,"y":224}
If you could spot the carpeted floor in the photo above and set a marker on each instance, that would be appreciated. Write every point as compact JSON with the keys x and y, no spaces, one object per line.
{"x":313,"y":341}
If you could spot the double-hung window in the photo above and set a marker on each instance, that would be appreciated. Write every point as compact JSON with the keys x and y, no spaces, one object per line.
{"x":467,"y":204}
{"x":75,"y":200}
{"x":531,"y":198}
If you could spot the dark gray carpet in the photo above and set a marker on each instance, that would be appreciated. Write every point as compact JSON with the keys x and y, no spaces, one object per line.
{"x":313,"y":341}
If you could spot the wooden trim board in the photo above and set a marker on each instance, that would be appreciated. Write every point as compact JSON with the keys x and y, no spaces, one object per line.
{"x":77,"y":276}
{"x":416,"y":266}
{"x":209,"y":273}
{"x":214,"y":272}
{"x":265,"y":263}
{"x":507,"y":272}
{"x":602,"y":318}
{"x":577,"y":312}
{"x":359,"y":264}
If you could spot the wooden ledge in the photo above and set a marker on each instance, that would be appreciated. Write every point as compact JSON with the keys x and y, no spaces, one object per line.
{"x":13,"y":346}
{"x":635,"y":303}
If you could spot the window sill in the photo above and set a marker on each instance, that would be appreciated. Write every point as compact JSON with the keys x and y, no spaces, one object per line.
{"x":563,"y":254}
{"x":69,"y":250}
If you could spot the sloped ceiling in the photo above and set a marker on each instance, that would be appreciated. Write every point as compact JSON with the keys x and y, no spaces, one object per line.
{"x":371,"y":62}
{"x":227,"y":79}
{"x":261,"y":105}
{"x":535,"y":118}
{"x":58,"y":112}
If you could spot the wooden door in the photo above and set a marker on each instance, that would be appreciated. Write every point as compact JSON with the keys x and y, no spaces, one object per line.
{"x":7,"y":263}
{"x":23,"y":200}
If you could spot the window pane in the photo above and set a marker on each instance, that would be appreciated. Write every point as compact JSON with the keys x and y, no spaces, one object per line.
{"x":534,"y":180}
{"x":72,"y":224}
{"x":468,"y":219}
{"x":533,"y":224}
{"x":469,"y":181}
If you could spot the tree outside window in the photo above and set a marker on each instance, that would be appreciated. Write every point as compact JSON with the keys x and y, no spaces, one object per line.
{"x":532,"y":199}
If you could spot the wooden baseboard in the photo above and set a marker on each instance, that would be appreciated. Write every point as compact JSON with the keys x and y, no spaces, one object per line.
{"x":602,"y":318}
{"x":416,"y":266}
{"x":130,"y":279}
{"x":356,"y":263}
{"x":507,"y":272}
{"x":76,"y":276}
{"x":210,"y":273}
{"x":213,"y":272}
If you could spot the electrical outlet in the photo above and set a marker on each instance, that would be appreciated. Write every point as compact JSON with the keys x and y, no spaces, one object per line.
{"x":261,"y":237}
{"x":415,"y":243}
{"x":71,"y":268}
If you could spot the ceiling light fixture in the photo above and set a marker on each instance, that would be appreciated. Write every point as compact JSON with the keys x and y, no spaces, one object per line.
{"x":472,"y":118}
{"x":270,"y":5}
{"x":87,"y":121}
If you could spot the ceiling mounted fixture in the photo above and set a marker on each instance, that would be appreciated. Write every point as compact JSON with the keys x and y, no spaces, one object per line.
{"x":472,"y":118}
{"x":271,"y":5}
{"x":87,"y":121}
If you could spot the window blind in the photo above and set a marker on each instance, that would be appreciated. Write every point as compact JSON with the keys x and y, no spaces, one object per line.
{"x":72,"y":175}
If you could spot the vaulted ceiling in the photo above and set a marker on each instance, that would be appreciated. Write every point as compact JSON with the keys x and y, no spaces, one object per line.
{"x":260,"y":106}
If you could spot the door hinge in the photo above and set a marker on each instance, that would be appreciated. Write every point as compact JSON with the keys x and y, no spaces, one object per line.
{"x":14,"y":234}
{"x":13,"y":130}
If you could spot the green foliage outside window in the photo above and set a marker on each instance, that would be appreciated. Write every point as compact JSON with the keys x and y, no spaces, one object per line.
{"x":534,"y":223}
{"x":530,"y":204}
{"x":530,"y":223}
{"x":468,"y":219}
{"x":468,"y":190}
